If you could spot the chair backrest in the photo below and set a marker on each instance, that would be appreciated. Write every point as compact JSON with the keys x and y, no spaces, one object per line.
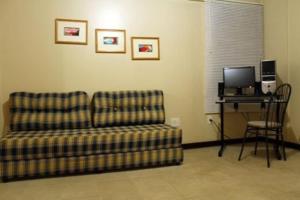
{"x":277,"y":106}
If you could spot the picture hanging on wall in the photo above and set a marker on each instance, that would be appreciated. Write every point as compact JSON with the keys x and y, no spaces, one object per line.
{"x":110,"y":41}
{"x":70,"y":31}
{"x":145,"y":48}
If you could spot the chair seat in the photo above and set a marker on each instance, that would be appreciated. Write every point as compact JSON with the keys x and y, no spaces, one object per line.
{"x":262,"y":124}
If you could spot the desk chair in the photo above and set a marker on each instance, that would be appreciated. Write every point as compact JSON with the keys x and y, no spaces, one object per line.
{"x":273,"y":122}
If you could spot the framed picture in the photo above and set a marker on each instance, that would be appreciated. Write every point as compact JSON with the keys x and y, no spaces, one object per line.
{"x":110,"y":41}
{"x":145,"y":48}
{"x":70,"y":31}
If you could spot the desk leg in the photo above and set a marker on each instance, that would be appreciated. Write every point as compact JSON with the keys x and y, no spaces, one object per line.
{"x":222,"y":129}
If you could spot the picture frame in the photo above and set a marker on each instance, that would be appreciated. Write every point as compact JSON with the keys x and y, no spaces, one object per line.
{"x":71,"y":31}
{"x":110,"y":40}
{"x":145,"y":48}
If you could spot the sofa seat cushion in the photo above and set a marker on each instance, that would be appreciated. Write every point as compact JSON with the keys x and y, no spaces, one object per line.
{"x":48,"y":111}
{"x":15,"y":169}
{"x":24,"y":145}
{"x":121,"y":108}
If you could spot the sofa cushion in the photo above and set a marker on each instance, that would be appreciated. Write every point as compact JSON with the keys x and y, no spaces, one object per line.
{"x":128,"y":108}
{"x":23,"y":145}
{"x":46,"y":111}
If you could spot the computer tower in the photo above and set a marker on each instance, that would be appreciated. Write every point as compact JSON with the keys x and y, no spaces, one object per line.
{"x":268,"y":76}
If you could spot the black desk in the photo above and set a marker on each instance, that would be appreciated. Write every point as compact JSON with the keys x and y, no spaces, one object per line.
{"x":256,"y":100}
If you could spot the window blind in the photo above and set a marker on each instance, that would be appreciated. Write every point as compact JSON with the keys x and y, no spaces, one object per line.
{"x":234,"y":38}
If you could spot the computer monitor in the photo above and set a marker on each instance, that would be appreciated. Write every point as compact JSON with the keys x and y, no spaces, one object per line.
{"x":239,"y":77}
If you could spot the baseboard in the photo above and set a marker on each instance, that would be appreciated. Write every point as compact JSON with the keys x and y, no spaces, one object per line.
{"x":214,"y":143}
{"x":196,"y":145}
{"x":291,"y":145}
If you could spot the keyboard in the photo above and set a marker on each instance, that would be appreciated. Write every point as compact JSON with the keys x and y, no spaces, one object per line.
{"x":246,"y":99}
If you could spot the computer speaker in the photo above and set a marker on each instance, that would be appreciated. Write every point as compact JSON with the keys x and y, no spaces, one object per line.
{"x":257,"y":88}
{"x":221,"y":89}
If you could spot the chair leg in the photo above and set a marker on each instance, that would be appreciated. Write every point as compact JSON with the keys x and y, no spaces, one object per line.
{"x":267,"y":149}
{"x":276,"y":145}
{"x":256,"y":142}
{"x":243,"y":144}
{"x":283,"y":145}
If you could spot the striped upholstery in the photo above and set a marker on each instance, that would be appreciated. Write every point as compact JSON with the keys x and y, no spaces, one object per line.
{"x":46,"y":111}
{"x":94,"y":163}
{"x":128,"y":108}
{"x":83,"y":142}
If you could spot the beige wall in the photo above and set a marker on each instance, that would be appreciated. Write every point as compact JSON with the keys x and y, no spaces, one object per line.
{"x":1,"y":66}
{"x":276,"y":36}
{"x":282,"y":37}
{"x":294,"y":65}
{"x":32,"y":62}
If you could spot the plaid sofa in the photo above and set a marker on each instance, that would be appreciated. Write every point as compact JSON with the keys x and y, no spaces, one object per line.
{"x":53,"y":134}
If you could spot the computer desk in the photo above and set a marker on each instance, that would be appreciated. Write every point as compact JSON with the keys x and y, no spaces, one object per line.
{"x":236,"y":101}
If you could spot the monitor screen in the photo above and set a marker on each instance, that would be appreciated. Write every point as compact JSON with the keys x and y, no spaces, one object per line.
{"x":239,"y":77}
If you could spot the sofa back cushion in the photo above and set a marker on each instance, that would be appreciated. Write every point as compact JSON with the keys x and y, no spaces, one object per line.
{"x":128,"y":108}
{"x":47,"y":111}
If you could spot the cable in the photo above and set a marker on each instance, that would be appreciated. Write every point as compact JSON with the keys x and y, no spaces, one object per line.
{"x":218,"y":127}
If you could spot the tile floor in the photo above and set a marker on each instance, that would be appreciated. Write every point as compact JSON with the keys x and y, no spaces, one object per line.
{"x":202,"y":176}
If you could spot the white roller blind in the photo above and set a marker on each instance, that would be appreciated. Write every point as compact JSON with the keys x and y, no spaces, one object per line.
{"x":234,"y":37}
